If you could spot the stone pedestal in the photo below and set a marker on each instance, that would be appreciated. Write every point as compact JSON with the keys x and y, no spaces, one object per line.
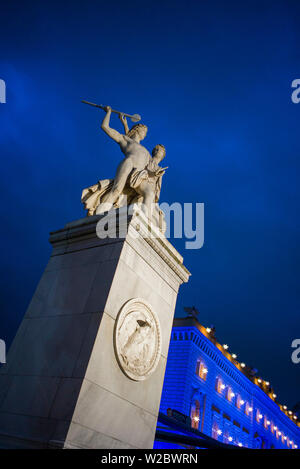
{"x":63,"y":384}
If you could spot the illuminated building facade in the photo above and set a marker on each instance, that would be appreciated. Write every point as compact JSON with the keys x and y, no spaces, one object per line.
{"x":224,"y":398}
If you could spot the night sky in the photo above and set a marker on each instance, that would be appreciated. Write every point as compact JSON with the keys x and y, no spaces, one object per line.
{"x":212,"y":80}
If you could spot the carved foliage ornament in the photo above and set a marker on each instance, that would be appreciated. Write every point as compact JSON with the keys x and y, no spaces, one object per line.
{"x":137,"y":339}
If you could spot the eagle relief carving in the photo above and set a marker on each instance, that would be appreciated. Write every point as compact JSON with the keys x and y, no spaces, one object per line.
{"x":137,"y":339}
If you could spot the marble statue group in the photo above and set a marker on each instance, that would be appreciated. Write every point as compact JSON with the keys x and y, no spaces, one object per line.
{"x":138,"y":177}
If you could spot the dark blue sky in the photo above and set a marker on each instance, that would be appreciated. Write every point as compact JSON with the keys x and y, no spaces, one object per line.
{"x":212,"y":80}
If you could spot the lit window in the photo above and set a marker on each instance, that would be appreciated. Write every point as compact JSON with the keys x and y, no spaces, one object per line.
{"x":258,"y":416}
{"x":216,"y":431}
{"x":239,"y":402}
{"x":201,"y":370}
{"x":248,"y":409}
{"x":230,"y":394}
{"x":220,"y":386}
{"x":195,"y":414}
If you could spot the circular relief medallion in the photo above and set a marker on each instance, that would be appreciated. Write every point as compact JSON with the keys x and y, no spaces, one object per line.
{"x":137,"y":339}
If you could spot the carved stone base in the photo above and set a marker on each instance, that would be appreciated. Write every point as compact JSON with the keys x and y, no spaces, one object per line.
{"x":87,"y":365}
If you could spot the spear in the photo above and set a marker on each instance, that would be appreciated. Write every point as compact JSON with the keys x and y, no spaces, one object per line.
{"x":134,"y":117}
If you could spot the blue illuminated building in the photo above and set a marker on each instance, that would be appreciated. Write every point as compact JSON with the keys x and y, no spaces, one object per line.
{"x":224,"y":399}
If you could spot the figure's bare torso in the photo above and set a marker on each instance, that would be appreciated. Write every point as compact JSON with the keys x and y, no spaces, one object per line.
{"x":134,"y":151}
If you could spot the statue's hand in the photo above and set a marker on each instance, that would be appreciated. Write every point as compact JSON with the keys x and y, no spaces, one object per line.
{"x":122,"y":118}
{"x":124,"y":122}
{"x":107,"y":108}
